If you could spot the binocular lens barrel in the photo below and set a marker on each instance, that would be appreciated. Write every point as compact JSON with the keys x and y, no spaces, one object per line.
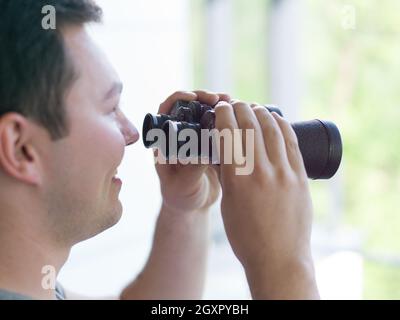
{"x":152,"y":122}
{"x":321,"y":147}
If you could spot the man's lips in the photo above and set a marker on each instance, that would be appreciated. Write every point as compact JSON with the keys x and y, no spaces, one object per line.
{"x":115,"y":179}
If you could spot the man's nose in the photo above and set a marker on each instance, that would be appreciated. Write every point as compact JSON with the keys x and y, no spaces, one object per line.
{"x":129,"y":131}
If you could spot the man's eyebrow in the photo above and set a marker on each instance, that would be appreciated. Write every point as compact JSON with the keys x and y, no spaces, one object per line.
{"x":115,"y":89}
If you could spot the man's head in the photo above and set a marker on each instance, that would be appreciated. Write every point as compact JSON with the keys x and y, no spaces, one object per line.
{"x":62,"y":135}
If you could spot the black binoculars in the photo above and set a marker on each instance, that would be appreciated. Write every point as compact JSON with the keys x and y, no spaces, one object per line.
{"x":319,"y":141}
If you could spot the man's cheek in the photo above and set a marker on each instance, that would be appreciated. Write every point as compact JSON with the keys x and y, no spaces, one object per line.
{"x":110,"y":147}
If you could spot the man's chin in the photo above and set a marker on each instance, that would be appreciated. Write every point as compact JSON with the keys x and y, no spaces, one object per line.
{"x":111,"y":218}
{"x":100,"y":223}
{"x":116,"y":214}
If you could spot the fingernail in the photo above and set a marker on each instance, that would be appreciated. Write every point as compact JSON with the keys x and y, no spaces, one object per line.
{"x":220,"y":103}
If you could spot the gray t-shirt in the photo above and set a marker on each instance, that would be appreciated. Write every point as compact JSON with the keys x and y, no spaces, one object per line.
{"x":7,"y":295}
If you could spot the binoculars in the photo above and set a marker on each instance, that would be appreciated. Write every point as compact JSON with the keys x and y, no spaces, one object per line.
{"x":319,"y":141}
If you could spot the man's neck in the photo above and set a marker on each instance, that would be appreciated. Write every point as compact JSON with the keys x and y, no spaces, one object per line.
{"x":29,"y":262}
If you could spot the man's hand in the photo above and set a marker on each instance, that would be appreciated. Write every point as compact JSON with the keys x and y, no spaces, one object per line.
{"x":268,"y":214}
{"x":191,"y":187}
{"x":177,"y":263}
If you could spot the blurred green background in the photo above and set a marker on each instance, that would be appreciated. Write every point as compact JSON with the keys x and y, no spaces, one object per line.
{"x":351,"y":76}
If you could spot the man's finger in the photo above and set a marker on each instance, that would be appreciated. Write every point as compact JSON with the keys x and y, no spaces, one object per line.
{"x":254,"y":104}
{"x":206,"y":97}
{"x":247,"y":120}
{"x":224,"y":97}
{"x":225,"y":120}
{"x":291,"y":142}
{"x":273,"y":138}
{"x":166,"y":106}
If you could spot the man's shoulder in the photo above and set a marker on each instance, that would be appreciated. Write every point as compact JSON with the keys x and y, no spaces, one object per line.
{"x":8,"y":295}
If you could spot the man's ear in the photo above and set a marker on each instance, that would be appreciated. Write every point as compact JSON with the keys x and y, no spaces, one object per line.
{"x":19,"y":158}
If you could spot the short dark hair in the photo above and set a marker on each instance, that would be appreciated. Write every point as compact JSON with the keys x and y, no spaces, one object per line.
{"x":35,"y":71}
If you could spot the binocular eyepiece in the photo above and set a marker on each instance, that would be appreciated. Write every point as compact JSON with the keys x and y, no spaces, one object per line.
{"x":319,"y":141}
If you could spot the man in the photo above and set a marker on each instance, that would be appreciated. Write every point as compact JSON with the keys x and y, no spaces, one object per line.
{"x":62,"y":138}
